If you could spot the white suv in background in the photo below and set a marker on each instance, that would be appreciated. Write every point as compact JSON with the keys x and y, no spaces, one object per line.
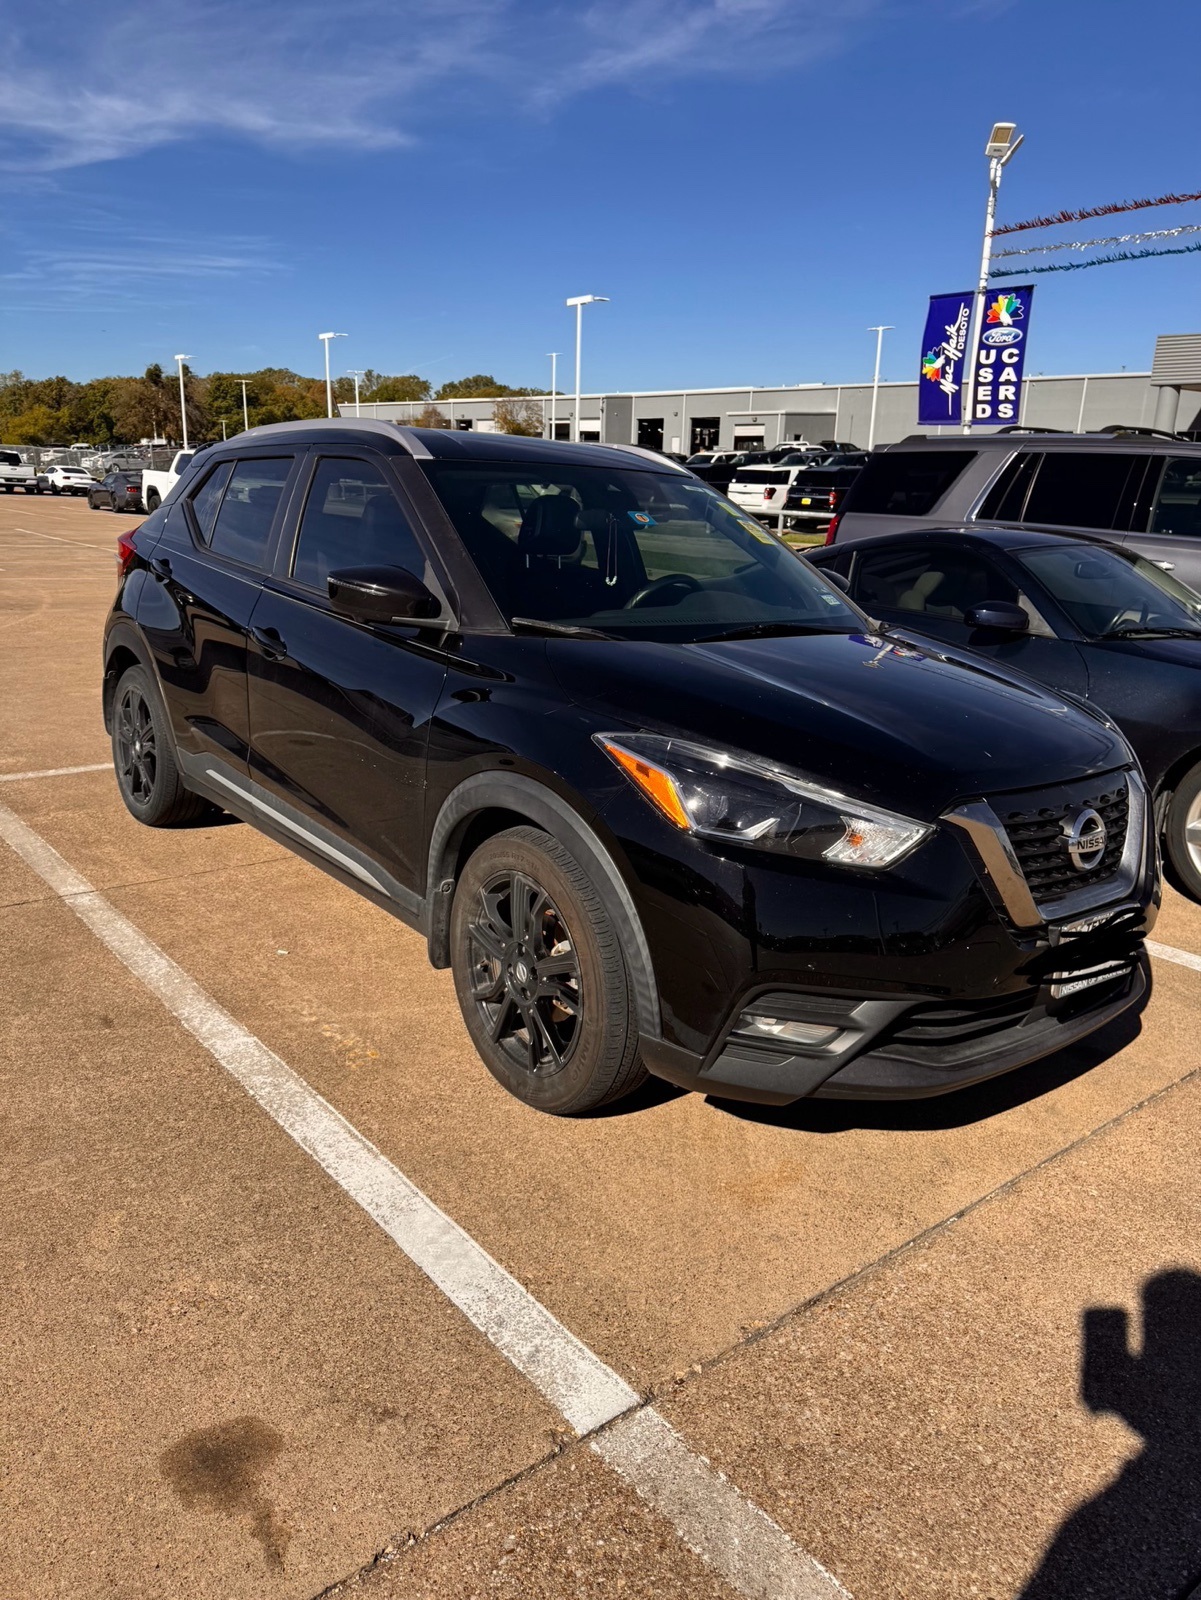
{"x":763,"y":489}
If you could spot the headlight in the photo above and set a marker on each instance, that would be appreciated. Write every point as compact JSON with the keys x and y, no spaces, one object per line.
{"x":738,"y":800}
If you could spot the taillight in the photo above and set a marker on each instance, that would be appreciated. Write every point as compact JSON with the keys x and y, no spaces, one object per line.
{"x":832,"y":530}
{"x":131,"y":488}
{"x":126,"y":553}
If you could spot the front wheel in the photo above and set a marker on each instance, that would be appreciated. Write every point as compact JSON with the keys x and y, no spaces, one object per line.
{"x":1182,"y":832}
{"x":144,"y":756}
{"x":540,"y":977}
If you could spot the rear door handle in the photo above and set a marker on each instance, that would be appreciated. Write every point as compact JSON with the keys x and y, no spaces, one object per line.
{"x":270,"y":643}
{"x":1165,"y":566}
{"x":160,"y":566}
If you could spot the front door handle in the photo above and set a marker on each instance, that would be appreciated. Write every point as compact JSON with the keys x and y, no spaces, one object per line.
{"x":270,"y":643}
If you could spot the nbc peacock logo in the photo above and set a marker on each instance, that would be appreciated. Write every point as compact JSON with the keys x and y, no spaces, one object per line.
{"x":1004,"y":311}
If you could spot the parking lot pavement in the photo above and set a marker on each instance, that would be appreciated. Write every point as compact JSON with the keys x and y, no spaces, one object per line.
{"x":672,"y":1234}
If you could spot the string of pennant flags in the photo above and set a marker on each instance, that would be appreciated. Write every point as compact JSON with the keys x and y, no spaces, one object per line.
{"x":1090,"y":244}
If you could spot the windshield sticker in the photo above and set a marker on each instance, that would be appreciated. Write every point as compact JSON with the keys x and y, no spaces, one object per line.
{"x":642,"y":519}
{"x":755,"y":529}
{"x":831,"y":599}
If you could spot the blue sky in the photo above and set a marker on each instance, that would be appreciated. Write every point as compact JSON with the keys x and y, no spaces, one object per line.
{"x":753,"y":182}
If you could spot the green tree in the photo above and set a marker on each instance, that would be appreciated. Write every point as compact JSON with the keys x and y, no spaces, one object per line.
{"x":480,"y":386}
{"x":430,"y":417}
{"x":518,"y":416}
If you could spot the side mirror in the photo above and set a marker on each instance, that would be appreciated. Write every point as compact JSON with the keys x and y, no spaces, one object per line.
{"x":838,"y":579}
{"x":1000,"y":615}
{"x":381,"y":594}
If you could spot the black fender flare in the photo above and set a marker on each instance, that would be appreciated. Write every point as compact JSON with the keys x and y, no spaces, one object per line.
{"x":124,"y":635}
{"x":511,"y":791}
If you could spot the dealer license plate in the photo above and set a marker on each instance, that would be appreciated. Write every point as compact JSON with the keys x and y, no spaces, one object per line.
{"x":1066,"y":983}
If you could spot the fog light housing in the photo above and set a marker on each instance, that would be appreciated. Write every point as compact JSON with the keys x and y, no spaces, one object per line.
{"x":786,"y":1030}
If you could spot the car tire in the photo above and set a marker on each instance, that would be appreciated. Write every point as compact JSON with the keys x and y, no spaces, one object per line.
{"x":54,"y":489}
{"x":144,"y":756}
{"x":540,"y":976}
{"x":153,"y":500}
{"x":1182,"y":832}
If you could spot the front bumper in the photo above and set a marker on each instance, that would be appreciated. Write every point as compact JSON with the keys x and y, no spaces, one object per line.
{"x":907,"y":1049}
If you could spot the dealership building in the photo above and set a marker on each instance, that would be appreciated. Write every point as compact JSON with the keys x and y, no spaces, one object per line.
{"x":753,"y":417}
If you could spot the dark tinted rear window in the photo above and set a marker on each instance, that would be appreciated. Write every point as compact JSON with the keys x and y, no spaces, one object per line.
{"x":826,"y":478}
{"x":1081,"y":489}
{"x":907,"y":483}
{"x":243,"y":526}
{"x":1004,"y":501}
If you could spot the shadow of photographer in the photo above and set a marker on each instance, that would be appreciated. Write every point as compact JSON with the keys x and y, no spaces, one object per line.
{"x":1140,"y":1538}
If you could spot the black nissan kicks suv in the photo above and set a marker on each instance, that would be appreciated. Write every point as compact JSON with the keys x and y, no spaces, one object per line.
{"x":652,"y":787}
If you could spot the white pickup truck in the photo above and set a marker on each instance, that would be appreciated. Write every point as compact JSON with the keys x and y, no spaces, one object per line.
{"x":156,"y":486}
{"x":17,"y":474}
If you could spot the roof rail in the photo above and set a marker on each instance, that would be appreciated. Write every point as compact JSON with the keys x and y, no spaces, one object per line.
{"x":1022,"y":427}
{"x":1128,"y":429}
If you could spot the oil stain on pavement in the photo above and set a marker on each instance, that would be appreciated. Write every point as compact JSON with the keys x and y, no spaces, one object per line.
{"x":220,"y":1468}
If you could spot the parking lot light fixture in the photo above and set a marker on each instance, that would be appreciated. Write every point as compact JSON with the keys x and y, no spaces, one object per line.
{"x":579,"y":301}
{"x":1001,"y":148}
{"x":183,"y":409}
{"x":329,"y":388}
{"x":879,"y":330}
{"x":358,"y":377}
{"x":245,"y":407}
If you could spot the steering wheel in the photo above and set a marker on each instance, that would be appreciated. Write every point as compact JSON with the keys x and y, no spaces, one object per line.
{"x":670,"y":580}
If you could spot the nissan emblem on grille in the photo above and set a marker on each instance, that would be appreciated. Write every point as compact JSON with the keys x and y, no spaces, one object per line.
{"x":1086,"y":838}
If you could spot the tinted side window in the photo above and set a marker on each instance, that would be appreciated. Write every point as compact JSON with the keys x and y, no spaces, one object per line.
{"x":207,"y":497}
{"x":1007,"y":497}
{"x":1178,"y":503}
{"x":929,"y":582}
{"x":1085,"y":489}
{"x":352,"y":519}
{"x":907,"y":483}
{"x":243,"y":526}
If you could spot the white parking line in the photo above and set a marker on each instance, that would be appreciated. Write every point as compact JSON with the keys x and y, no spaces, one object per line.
{"x":74,"y":543}
{"x":1168,"y":952}
{"x":53,"y":772}
{"x":736,"y":1538}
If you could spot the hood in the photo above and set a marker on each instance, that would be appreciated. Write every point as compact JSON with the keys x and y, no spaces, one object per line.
{"x":894,"y":722}
{"x":1173,"y":652}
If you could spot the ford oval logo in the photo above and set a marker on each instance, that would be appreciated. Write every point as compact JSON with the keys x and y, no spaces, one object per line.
{"x":1002,"y":336}
{"x":1086,"y":840}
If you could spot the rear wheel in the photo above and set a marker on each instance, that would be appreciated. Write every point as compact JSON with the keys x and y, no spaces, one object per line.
{"x":153,"y":500}
{"x":540,"y":977}
{"x":1182,"y":832}
{"x":144,"y":756}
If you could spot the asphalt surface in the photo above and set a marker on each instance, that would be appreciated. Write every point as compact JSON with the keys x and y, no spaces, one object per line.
{"x":895,"y":1330}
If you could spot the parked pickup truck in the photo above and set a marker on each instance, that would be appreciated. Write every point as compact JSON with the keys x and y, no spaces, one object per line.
{"x":17,"y":474}
{"x":156,"y":486}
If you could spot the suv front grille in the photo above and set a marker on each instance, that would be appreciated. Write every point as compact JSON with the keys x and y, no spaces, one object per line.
{"x":1038,"y":830}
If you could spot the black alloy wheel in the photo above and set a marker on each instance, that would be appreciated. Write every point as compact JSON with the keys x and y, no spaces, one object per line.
{"x":144,"y":756}
{"x":135,"y":746}
{"x":525,"y":972}
{"x":540,"y":976}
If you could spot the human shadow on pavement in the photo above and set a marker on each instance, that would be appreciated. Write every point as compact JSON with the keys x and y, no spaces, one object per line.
{"x":1139,"y":1539}
{"x":960,"y":1107}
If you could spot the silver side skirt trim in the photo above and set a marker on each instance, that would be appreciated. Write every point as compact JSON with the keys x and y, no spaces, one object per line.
{"x":313,"y":840}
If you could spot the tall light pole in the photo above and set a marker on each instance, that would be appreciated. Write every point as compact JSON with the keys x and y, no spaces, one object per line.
{"x":183,"y":408}
{"x":245,"y":407}
{"x":554,"y":381}
{"x":329,"y":388}
{"x":1000,"y":150}
{"x":879,"y":330}
{"x":579,"y":301}
{"x":358,"y":377}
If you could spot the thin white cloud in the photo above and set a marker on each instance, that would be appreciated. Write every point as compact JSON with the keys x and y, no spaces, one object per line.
{"x":80,"y":84}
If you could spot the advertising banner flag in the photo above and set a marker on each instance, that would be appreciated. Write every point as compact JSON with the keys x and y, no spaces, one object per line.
{"x":944,"y":346}
{"x":999,"y":354}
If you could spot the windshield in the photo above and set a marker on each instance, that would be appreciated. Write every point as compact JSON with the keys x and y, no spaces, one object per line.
{"x":630,"y":553}
{"x":1107,"y":595}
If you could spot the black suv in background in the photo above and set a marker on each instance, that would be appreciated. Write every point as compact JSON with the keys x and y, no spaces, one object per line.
{"x":646,"y":782}
{"x":1128,"y":486}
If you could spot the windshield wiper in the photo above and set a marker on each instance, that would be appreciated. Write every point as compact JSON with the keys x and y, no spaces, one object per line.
{"x":766,"y":630}
{"x":1151,"y":633}
{"x":566,"y":629}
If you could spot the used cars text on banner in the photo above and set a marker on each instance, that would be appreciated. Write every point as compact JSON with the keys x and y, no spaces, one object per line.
{"x":944,"y":346}
{"x":1000,"y":350}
